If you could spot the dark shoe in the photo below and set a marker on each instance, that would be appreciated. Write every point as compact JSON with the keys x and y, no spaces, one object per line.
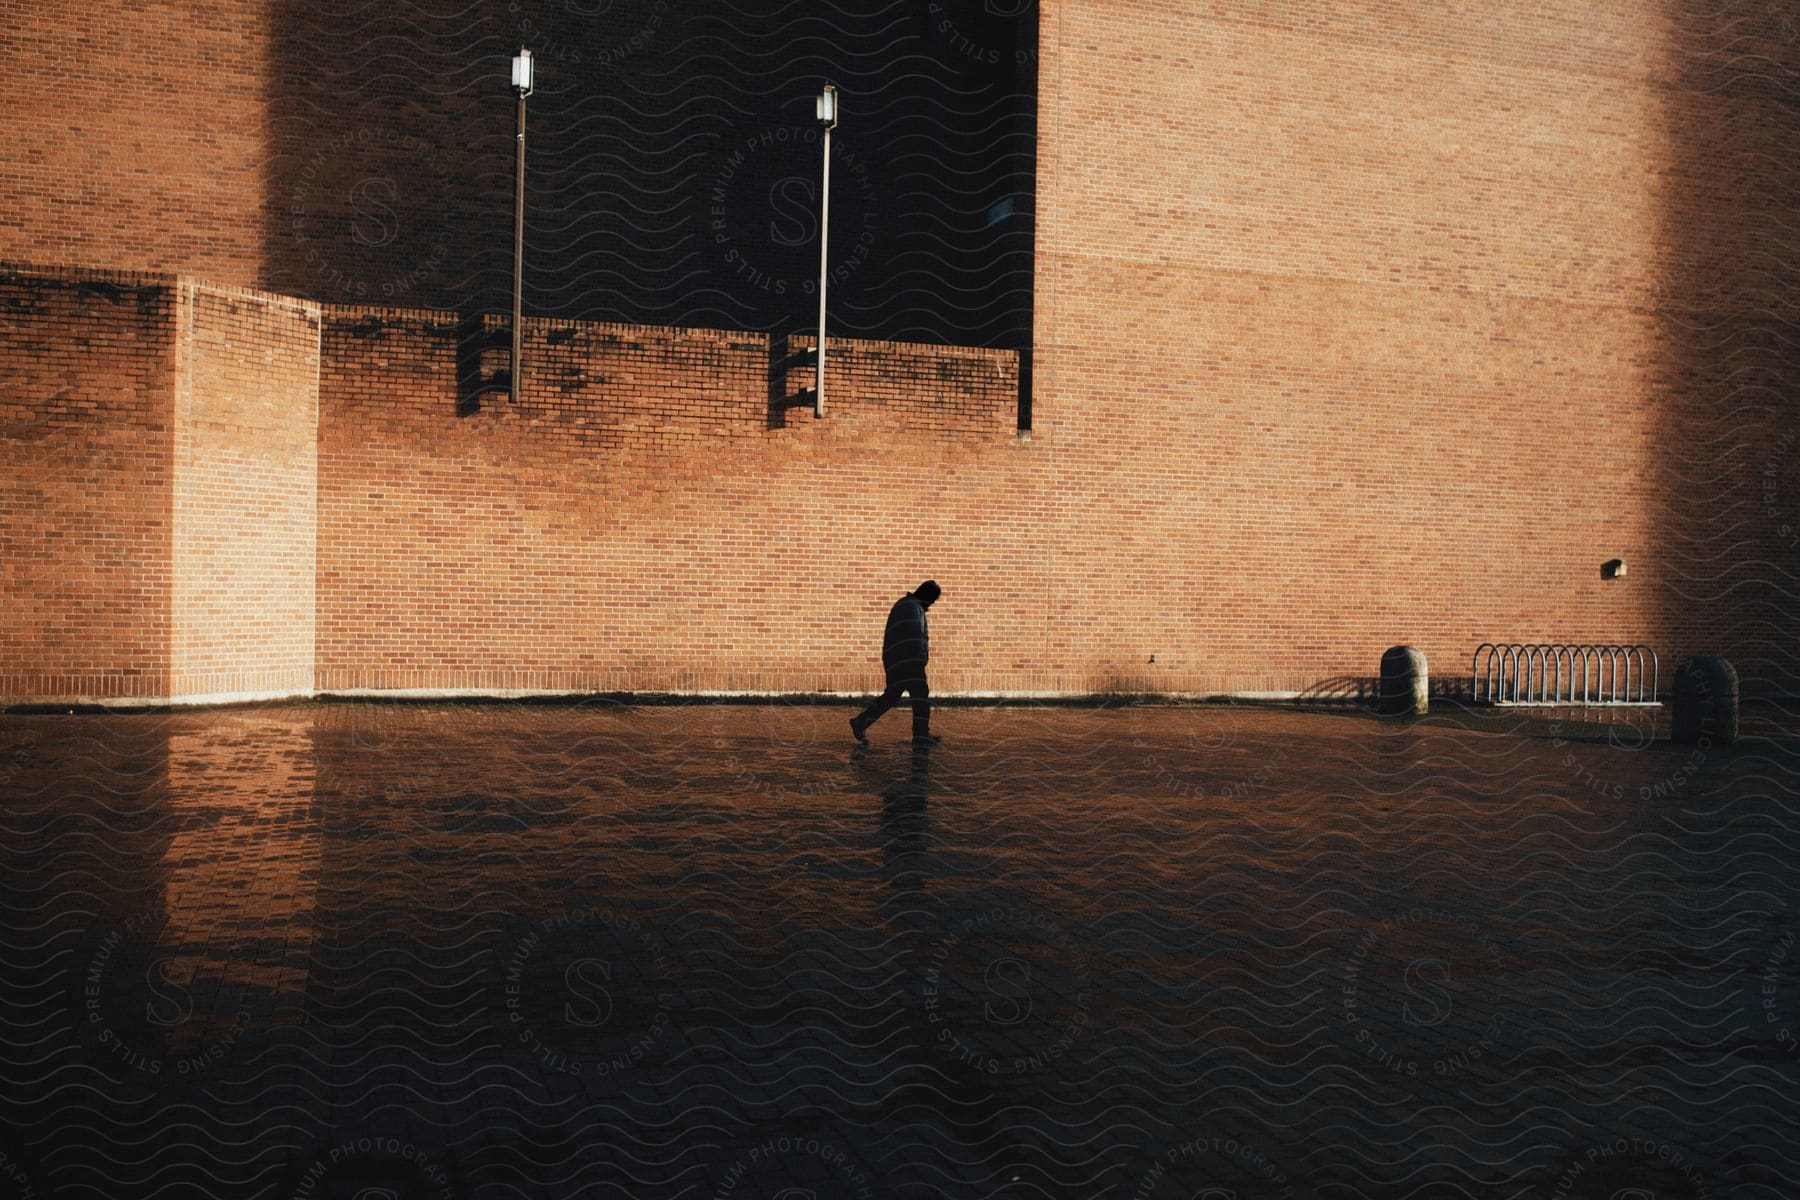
{"x":926,"y":739}
{"x":856,"y":728}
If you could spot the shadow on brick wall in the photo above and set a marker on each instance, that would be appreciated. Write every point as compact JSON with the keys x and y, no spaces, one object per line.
{"x":1728,"y":315}
{"x":673,"y":162}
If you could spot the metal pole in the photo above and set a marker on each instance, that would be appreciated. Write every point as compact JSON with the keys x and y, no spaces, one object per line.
{"x":518,"y":254}
{"x":824,"y":230}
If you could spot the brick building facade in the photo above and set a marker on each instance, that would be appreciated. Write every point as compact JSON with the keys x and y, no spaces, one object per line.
{"x":1348,"y":327}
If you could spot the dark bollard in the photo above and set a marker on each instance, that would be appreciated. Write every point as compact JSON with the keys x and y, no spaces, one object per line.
{"x":1706,"y":701}
{"x":1405,"y":683}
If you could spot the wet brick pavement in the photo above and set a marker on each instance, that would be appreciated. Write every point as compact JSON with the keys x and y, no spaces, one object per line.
{"x":710,"y":951}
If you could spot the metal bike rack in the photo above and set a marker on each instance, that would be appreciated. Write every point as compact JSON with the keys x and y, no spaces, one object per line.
{"x":1545,"y":673}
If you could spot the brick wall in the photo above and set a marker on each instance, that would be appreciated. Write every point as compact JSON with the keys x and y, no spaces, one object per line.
{"x":358,"y":154}
{"x":1354,"y":325}
{"x":86,"y":414}
{"x":1360,"y":325}
{"x":245,"y":473}
{"x":215,"y":494}
{"x":140,"y":136}
{"x":645,"y":519}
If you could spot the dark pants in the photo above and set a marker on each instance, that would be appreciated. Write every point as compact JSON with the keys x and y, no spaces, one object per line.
{"x":911,"y":682}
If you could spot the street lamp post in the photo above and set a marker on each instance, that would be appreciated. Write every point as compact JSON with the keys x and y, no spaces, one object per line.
{"x":827,"y":109}
{"x":521,"y":82}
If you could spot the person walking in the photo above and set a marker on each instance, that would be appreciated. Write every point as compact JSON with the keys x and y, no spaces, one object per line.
{"x":905,"y":649}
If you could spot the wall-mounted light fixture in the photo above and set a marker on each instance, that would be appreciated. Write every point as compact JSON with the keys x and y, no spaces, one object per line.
{"x":1612,"y":568}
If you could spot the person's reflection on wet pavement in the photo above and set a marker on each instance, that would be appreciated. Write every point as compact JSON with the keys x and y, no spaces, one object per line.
{"x":903,"y":819}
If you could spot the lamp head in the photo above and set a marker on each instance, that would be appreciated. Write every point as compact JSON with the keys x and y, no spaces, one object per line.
{"x":826,"y":107}
{"x":522,"y":72}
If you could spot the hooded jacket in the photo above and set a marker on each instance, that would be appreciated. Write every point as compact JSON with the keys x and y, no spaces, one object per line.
{"x":905,"y":646}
